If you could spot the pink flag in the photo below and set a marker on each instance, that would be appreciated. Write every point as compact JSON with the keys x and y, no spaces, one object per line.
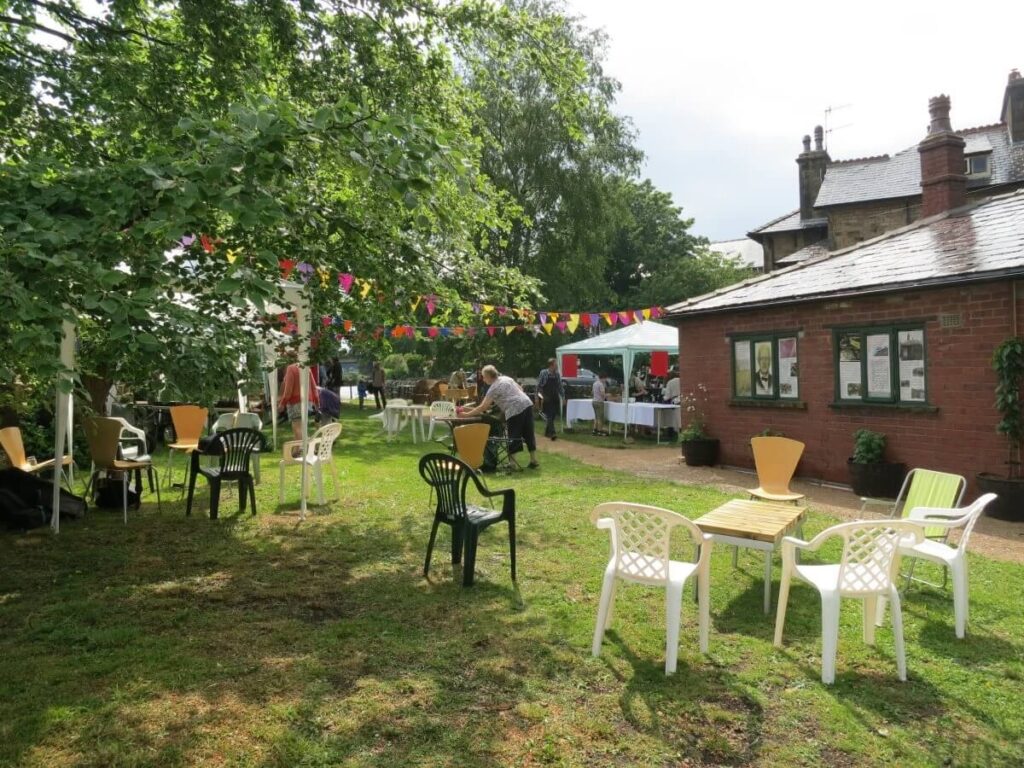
{"x":345,"y":281}
{"x":432,"y":332}
{"x":561,"y":325}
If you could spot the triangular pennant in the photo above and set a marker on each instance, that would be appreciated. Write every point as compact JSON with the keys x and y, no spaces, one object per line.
{"x":347,"y":325}
{"x":305,"y":270}
{"x":612,"y":318}
{"x":490,"y":331}
{"x":207,"y":243}
{"x":646,"y":314}
{"x":287,"y":265}
{"x":509,"y":329}
{"x":595,"y":319}
{"x":656,"y":312}
{"x":560,"y":325}
{"x":547,"y":327}
{"x":232,"y":254}
{"x":543,"y":317}
{"x":365,"y":291}
{"x":430,"y":305}
{"x":446,"y":332}
{"x":608,"y":318}
{"x":325,"y":321}
{"x":415,"y":302}
{"x":585,"y":320}
{"x":432,"y":332}
{"x":325,"y":276}
{"x":488,"y":307}
{"x":502,"y":311}
{"x":345,"y":281}
{"x":626,"y":317}
{"x":573,"y":323}
{"x":475,"y":307}
{"x":186,"y":241}
{"x":458,"y":330}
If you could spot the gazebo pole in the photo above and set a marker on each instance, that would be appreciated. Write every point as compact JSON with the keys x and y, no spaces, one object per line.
{"x":301,"y":305}
{"x":67,"y":362}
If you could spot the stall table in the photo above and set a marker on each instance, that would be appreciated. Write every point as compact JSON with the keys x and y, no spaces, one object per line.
{"x":654,"y":415}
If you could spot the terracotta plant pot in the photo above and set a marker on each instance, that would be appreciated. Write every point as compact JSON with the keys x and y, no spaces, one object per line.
{"x":1009,"y":502}
{"x":700,"y":452}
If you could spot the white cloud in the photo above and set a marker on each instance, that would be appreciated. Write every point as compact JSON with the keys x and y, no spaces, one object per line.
{"x":722,"y":93}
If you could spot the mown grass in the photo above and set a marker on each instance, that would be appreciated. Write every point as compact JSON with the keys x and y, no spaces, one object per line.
{"x":268,"y":641}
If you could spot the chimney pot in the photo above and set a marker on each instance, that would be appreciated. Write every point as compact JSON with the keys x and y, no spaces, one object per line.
{"x":807,"y":143}
{"x":819,"y":135}
{"x":1014,"y":75}
{"x":938,"y":108}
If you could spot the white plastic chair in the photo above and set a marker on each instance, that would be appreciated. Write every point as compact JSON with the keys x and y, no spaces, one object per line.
{"x":867,"y":571}
{"x":953,"y":558}
{"x":318,"y":453}
{"x":439,"y":409}
{"x":640,"y":554}
{"x":389,"y":421}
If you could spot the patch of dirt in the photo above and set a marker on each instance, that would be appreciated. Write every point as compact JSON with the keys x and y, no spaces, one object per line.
{"x":998,"y":539}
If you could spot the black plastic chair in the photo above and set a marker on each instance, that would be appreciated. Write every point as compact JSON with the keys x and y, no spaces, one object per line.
{"x":448,"y":478}
{"x":234,"y":448}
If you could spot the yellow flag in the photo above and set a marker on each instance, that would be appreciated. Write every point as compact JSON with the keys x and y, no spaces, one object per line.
{"x":573,"y":322}
{"x":325,"y":276}
{"x":415,"y":302}
{"x":647,"y":313}
{"x":547,"y":328}
{"x":487,"y":307}
{"x":607,"y":317}
{"x":366,"y":289}
{"x":509,"y":329}
{"x":233,"y":254}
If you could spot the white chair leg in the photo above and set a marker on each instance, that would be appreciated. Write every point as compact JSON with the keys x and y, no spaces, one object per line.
{"x":704,"y":608}
{"x":829,"y":637}
{"x":897,"y":634}
{"x":960,"y":597}
{"x":320,"y":484}
{"x":610,"y":616}
{"x":870,"y":614}
{"x":673,"y":615}
{"x":430,"y":430}
{"x":780,"y":610}
{"x":124,"y":491}
{"x":607,"y":594}
{"x":280,"y":482}
{"x":880,"y":610}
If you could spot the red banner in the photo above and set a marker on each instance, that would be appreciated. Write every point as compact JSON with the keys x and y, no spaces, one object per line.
{"x":659,"y":363}
{"x":570,"y":365}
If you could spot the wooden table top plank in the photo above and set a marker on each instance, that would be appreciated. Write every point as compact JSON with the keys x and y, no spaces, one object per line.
{"x":757,"y":520}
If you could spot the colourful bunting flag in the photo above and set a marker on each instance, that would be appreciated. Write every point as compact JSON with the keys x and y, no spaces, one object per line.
{"x":347,"y":325}
{"x":490,"y":330}
{"x":432,"y":332}
{"x":560,"y":325}
{"x":186,"y":241}
{"x":345,"y":281}
{"x":365,"y":289}
{"x":543,"y":317}
{"x":573,"y":323}
{"x":647,"y":314}
{"x":232,"y":254}
{"x":287,"y":265}
{"x":430,"y":305}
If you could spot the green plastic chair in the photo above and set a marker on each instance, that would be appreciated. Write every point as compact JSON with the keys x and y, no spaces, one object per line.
{"x":925,"y":488}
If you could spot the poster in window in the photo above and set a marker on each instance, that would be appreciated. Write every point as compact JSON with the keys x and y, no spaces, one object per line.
{"x":788,"y":368}
{"x":764,"y":376}
{"x":849,"y":367}
{"x":879,"y":362}
{"x":741,"y":354}
{"x":912,"y":379}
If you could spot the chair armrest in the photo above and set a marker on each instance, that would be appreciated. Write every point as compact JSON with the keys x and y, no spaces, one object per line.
{"x":605,"y":522}
{"x":937,"y":517}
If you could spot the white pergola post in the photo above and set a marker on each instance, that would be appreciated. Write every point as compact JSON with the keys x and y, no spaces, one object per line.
{"x":300,"y":304}
{"x":63,"y":413}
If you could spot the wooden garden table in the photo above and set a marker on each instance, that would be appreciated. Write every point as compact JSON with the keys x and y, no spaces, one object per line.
{"x":756,"y":525}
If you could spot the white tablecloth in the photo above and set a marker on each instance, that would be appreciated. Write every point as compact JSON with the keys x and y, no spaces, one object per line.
{"x":640,"y":414}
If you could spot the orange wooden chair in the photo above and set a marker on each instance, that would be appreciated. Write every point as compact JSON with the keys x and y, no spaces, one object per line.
{"x":14,"y":447}
{"x":104,"y":438}
{"x":188,"y":421}
{"x":471,"y":442}
{"x":775,"y":459}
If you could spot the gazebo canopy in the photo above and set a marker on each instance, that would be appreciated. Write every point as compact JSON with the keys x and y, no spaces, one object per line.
{"x":639,"y":337}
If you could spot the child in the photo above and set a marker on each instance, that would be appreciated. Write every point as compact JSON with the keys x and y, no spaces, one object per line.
{"x":361,"y":390}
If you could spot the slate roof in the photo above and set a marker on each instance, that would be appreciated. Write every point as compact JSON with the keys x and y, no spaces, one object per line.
{"x":790,"y":222}
{"x":984,"y":241}
{"x":808,"y":252}
{"x":883,"y":178}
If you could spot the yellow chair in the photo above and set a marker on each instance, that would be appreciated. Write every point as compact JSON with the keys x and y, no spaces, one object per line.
{"x":470,"y":443}
{"x":10,"y":439}
{"x":188,"y":421}
{"x":104,"y":438}
{"x":775,"y":459}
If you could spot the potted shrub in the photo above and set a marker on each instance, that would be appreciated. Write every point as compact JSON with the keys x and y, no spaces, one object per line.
{"x":697,"y":447}
{"x":1008,"y":363}
{"x":870,"y":474}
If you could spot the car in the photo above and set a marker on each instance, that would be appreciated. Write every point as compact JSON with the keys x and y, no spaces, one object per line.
{"x":586,"y":377}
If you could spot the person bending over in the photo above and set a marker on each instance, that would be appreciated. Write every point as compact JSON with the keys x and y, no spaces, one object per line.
{"x":515,"y":404}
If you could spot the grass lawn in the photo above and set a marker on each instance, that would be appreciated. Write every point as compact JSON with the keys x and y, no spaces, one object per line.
{"x":268,"y":641}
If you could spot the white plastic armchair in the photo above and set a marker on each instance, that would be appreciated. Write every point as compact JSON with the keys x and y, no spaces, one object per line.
{"x":133,"y":441}
{"x":640,"y":537}
{"x":953,"y":558}
{"x":389,"y":421}
{"x":439,"y":409}
{"x":318,"y":454}
{"x":867,"y":571}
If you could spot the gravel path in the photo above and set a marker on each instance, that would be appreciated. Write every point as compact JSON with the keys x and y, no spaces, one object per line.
{"x":995,"y":538}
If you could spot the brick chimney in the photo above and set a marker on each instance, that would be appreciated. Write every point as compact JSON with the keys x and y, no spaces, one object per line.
{"x":1013,"y":106}
{"x":943,"y":183}
{"x":812,"y":165}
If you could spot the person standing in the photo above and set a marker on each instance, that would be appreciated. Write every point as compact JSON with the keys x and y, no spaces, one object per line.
{"x":549,"y":390}
{"x":670,"y":393}
{"x":378,"y":383}
{"x":291,"y":397}
{"x":334,"y":375}
{"x":361,"y":391}
{"x":517,"y":407}
{"x":600,"y":396}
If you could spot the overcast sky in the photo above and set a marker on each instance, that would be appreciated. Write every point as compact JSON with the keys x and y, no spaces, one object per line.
{"x":722,"y":92}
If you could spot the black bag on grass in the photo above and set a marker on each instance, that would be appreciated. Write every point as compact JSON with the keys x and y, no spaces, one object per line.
{"x":25,"y":495}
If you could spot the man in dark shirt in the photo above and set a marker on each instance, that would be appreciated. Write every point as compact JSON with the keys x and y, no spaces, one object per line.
{"x":549,"y":390}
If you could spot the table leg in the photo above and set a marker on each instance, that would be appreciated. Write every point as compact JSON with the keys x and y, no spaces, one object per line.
{"x":767,"y":581}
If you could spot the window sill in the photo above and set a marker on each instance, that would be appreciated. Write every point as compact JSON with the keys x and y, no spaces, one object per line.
{"x":916,"y":408}
{"x":795,"y":405}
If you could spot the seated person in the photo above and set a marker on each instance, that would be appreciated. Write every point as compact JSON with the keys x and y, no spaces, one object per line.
{"x":637,"y":388}
{"x":330,"y":405}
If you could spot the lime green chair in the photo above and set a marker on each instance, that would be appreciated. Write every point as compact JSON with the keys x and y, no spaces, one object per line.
{"x":925,"y":488}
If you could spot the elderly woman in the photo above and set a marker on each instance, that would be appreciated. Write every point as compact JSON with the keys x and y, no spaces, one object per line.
{"x":504,"y":392}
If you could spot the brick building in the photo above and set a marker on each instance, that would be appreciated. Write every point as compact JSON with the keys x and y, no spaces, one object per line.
{"x":843,"y":202}
{"x":894,"y":333}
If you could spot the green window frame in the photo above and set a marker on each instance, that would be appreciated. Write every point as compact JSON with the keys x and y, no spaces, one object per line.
{"x":751,"y":352}
{"x":881,"y":364}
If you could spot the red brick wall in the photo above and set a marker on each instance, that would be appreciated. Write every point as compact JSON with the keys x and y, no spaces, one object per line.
{"x":959,"y":437}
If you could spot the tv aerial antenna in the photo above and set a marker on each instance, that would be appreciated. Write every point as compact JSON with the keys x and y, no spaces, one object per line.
{"x":828,"y":119}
